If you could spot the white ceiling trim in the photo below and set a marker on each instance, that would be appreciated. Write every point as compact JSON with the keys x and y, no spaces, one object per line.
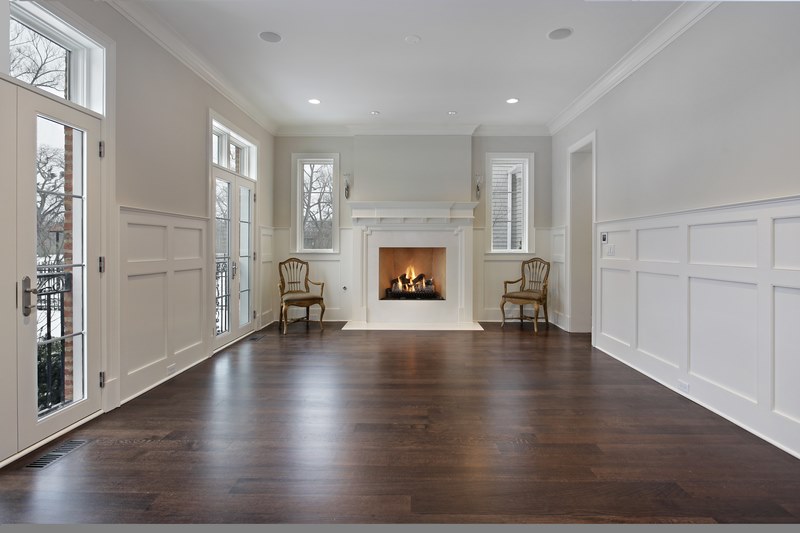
{"x":167,"y":38}
{"x":680,"y":20}
{"x":367,"y":129}
{"x":512,"y":131}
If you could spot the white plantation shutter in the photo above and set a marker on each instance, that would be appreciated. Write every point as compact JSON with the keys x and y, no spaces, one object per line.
{"x":508,"y":205}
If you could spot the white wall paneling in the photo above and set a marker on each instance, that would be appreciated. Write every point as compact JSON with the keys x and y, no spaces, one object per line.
{"x":269,"y":276}
{"x":335,"y":269}
{"x":557,"y":299}
{"x":164,"y":300}
{"x":787,"y":243}
{"x":707,"y":303}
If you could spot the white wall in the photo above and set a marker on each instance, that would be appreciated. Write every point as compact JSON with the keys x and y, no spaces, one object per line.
{"x":402,"y":167}
{"x":492,"y":269}
{"x":703,"y":301}
{"x":580,"y":243}
{"x":161,"y":153}
{"x":711,"y":120}
{"x":707,"y":303}
{"x":412,"y":167}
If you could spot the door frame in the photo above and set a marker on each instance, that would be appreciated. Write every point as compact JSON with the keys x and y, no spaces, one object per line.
{"x":31,"y":103}
{"x":587,"y":140}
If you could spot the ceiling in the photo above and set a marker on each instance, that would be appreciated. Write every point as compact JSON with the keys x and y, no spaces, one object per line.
{"x":354,"y":57}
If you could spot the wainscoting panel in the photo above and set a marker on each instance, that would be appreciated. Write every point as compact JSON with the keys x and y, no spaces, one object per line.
{"x":787,"y":243}
{"x":164,"y":291}
{"x":725,"y":244}
{"x":708,"y":306}
{"x":658,"y":334}
{"x":787,"y":352}
{"x":723,"y":338}
{"x":659,"y":244}
{"x":616,"y":290}
{"x":269,"y":276}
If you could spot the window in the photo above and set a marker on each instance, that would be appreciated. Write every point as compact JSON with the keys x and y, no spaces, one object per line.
{"x":50,"y":54}
{"x":316,"y":188}
{"x":508,"y":201}
{"x":232,"y":151}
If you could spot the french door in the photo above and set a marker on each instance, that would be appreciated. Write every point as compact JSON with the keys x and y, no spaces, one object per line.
{"x":50,"y":210}
{"x":234,"y":256}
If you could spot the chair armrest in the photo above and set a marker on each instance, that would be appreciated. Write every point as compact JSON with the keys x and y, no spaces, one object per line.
{"x":507,"y":283}
{"x":321,"y":285}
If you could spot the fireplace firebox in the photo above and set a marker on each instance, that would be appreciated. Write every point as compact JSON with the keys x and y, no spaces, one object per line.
{"x":412,"y":273}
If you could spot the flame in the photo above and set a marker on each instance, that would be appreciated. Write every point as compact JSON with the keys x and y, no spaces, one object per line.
{"x":411,"y":275}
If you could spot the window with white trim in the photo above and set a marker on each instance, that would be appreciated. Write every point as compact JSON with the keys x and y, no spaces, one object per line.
{"x":49,"y":53}
{"x":232,"y":151}
{"x":508,"y":202}
{"x":316,"y":187}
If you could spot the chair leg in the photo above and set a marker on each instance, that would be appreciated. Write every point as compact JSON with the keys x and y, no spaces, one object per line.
{"x":502,"y":311}
{"x":546,"y":318}
{"x":521,"y":315}
{"x":321,"y":314}
{"x":536,"y":317}
{"x":308,"y":315}
{"x":284,"y":312}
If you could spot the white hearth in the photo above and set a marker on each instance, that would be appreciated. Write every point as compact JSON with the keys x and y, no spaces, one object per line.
{"x":447,"y":225}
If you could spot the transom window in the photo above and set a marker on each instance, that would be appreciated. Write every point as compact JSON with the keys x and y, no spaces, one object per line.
{"x":49,"y":53}
{"x":508,"y":202}
{"x":316,"y":187}
{"x":231,"y":151}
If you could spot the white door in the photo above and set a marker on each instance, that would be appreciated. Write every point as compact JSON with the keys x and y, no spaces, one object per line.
{"x":234,"y":256}
{"x":51,"y":204}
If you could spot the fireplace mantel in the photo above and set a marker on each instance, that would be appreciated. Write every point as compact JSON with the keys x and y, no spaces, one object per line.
{"x":412,"y":212}
{"x":413,"y":224}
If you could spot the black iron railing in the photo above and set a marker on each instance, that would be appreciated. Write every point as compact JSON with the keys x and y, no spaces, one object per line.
{"x":52,"y":314}
{"x":223,"y":295}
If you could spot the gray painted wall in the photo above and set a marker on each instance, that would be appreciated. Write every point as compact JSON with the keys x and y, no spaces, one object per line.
{"x":712,"y":120}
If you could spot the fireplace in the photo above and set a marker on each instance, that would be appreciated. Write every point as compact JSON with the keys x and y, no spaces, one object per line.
{"x":412,"y":273}
{"x":436,"y":239}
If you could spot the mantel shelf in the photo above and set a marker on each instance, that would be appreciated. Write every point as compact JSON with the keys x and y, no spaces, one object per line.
{"x":412,"y":212}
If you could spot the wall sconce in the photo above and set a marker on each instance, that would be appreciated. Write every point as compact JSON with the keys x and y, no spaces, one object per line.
{"x":478,"y":182}
{"x":347,"y":185}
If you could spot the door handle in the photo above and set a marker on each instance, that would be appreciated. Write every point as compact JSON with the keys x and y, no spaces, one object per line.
{"x":27,"y":291}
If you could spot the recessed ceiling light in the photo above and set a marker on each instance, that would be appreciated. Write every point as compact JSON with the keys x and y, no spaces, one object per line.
{"x":412,"y":39}
{"x":452,"y":113}
{"x":314,"y":101}
{"x":560,"y":33}
{"x":373,"y":113}
{"x":512,"y":100}
{"x":270,"y":36}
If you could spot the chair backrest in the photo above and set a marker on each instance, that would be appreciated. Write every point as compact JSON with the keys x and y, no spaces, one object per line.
{"x":534,"y":274}
{"x":294,"y":275}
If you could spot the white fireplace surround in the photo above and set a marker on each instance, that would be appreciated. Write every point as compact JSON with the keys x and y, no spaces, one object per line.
{"x":413,"y":224}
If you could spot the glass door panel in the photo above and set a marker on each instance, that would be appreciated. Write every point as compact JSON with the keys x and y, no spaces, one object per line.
{"x":222,"y":249}
{"x":233,"y":250}
{"x":58,"y":334}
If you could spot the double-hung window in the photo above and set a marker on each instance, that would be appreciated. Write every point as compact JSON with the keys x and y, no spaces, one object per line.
{"x":509,"y":204}
{"x":316,"y":193}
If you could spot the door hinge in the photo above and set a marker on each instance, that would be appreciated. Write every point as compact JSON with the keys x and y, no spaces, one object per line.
{"x":101,"y":264}
{"x":101,"y":149}
{"x":254,"y":314}
{"x":102,"y":380}
{"x":254,"y":197}
{"x":254,"y":256}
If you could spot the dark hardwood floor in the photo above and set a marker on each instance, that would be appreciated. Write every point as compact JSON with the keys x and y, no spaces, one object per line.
{"x":498,"y":426}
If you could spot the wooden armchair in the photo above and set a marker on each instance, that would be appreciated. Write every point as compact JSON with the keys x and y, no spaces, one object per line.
{"x":294,"y":288}
{"x":532,"y":290}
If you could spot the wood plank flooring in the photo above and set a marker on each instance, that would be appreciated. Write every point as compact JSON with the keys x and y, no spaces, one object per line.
{"x":498,"y":426}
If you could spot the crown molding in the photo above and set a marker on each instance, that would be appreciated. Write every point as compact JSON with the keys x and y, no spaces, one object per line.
{"x":672,"y":27}
{"x":313,"y":131}
{"x":413,"y":129}
{"x":166,"y":37}
{"x":534,"y":130}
